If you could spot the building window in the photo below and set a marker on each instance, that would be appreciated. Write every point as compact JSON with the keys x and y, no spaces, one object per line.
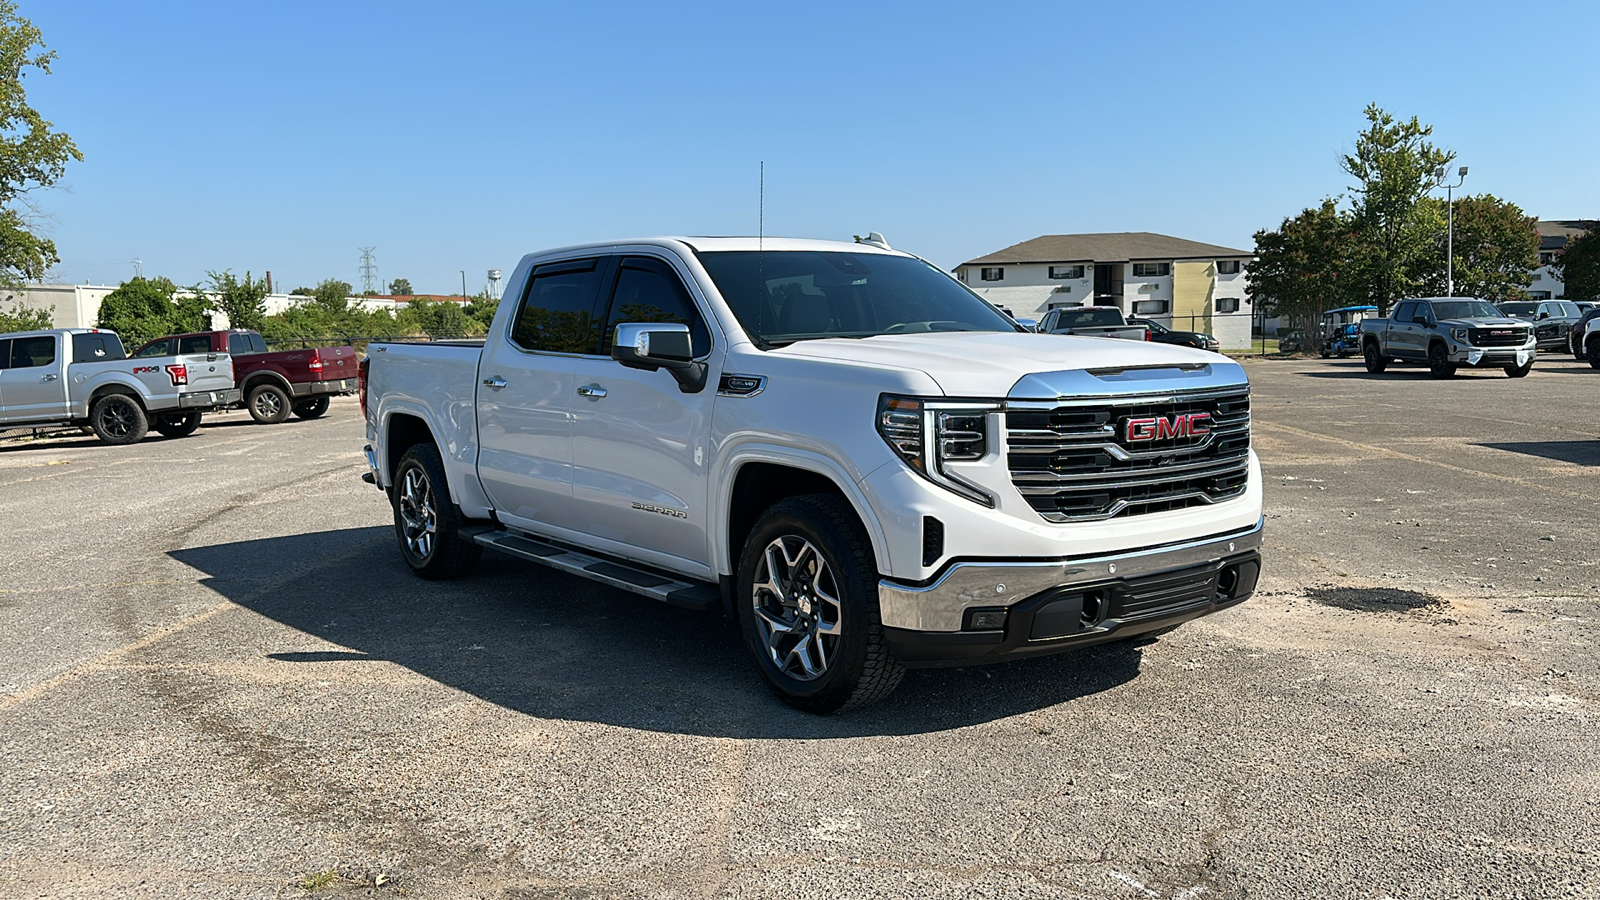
{"x":1227,"y":304}
{"x":1149,"y":307}
{"x":962,"y":274}
{"x":1151,"y":270}
{"x":992,"y":274}
{"x":1547,"y":258}
{"x":1066,"y":271}
{"x":1227,"y":267}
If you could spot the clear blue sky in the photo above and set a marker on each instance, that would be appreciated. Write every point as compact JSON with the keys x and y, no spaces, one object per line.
{"x":461,"y":135}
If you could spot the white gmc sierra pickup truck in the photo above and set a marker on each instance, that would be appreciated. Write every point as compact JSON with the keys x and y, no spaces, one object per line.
{"x":838,"y":444}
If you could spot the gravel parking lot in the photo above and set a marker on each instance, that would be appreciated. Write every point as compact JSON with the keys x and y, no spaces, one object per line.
{"x":217,"y":679}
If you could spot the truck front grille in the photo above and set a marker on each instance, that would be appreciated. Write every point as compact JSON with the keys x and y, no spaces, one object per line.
{"x":1498,"y":336}
{"x":1082,"y":461}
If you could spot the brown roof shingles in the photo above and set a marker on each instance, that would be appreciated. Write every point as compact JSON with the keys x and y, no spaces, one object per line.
{"x":1117,"y":247}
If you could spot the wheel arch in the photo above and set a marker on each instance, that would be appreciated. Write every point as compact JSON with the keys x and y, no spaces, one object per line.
{"x":757,"y":479}
{"x":256,"y":379}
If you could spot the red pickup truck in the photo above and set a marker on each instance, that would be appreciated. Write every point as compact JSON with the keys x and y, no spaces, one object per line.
{"x":271,"y":383}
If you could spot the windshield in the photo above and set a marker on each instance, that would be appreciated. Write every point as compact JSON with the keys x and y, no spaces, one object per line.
{"x":1465,"y":309}
{"x":796,"y":295}
{"x":1518,"y":309}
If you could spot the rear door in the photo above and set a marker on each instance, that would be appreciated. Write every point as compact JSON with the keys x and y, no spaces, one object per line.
{"x":525,"y":393}
{"x":31,"y":386}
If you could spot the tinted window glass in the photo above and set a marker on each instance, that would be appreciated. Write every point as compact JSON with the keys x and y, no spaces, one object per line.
{"x":239,"y":344}
{"x":1405,"y":312}
{"x":30,"y":352}
{"x":197,"y":344}
{"x":159,"y":348}
{"x":557,"y":310}
{"x":96,"y":347}
{"x":5,"y":354}
{"x":1465,"y":309}
{"x":649,"y":291}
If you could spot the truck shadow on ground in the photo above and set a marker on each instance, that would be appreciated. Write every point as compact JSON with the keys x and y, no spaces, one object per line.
{"x":1583,"y":453}
{"x":555,"y":646}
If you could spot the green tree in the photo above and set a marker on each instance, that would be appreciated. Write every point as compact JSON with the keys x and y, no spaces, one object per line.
{"x":32,"y":156}
{"x":146,"y":308}
{"x":241,"y":301}
{"x":1579,"y":265}
{"x":332,"y":295}
{"x":1496,"y":247}
{"x":481,"y":309}
{"x":16,"y":317}
{"x":437,"y":318}
{"x":1311,"y":263}
{"x":1395,"y":167}
{"x":400,"y":287}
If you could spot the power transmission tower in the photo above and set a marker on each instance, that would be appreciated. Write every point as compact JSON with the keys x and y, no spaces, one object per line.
{"x":368,"y":269}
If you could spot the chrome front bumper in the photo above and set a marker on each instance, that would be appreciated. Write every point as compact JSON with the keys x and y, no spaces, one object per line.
{"x":942,"y":604}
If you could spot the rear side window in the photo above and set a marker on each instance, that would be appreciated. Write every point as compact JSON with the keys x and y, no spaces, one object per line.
{"x":649,"y":292}
{"x":31,"y":352}
{"x":200,"y":343}
{"x":557,"y":312}
{"x":163,"y":347}
{"x":1405,"y":312}
{"x":96,"y":348}
{"x":241,"y":344}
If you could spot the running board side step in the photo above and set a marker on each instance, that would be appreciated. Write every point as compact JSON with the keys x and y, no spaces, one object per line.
{"x":656,"y":586}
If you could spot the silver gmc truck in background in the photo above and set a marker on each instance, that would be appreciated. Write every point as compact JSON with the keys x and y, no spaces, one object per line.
{"x":838,"y":444}
{"x":82,"y":376}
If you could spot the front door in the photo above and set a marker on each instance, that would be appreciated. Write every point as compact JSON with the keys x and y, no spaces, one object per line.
{"x":638,"y":442}
{"x":1406,"y":338}
{"x":31,"y":386}
{"x":525,"y":394}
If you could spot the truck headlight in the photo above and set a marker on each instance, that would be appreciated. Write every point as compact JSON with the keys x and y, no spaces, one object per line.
{"x":1459,"y":335}
{"x":927,"y":434}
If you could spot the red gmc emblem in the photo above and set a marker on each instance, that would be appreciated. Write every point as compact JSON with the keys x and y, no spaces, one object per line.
{"x":1161,"y":429}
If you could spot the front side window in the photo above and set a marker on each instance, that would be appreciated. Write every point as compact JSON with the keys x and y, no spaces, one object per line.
{"x":993,"y":274}
{"x":1151,"y":270}
{"x":1059,"y":272}
{"x":797,"y":295}
{"x":163,"y":347}
{"x":648,"y":291}
{"x":556,"y":315}
{"x":32,"y":352}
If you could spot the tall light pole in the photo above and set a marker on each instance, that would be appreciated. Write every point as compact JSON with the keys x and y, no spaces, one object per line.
{"x":463,"y":285}
{"x":1450,"y":229}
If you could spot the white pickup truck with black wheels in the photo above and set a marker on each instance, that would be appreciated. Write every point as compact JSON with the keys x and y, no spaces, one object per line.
{"x":81,"y":376}
{"x":838,"y":445}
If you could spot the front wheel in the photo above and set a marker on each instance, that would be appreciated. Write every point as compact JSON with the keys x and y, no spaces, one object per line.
{"x":1439,"y":364}
{"x":1376,"y":362}
{"x":118,"y":419}
{"x":808,"y":606}
{"x":177,"y":425}
{"x":1519,"y":371}
{"x":1592,"y":351}
{"x":311,"y":409}
{"x":426,"y":522}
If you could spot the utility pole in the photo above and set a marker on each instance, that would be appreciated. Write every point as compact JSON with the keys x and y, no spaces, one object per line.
{"x":1450,"y":229}
{"x":368,"y":269}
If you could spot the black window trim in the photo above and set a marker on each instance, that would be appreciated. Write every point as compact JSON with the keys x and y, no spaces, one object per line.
{"x":586,"y":262}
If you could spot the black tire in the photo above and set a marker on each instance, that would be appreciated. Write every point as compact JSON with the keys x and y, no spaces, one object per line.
{"x":856,"y":668}
{"x":1592,"y":351}
{"x":1376,"y":362}
{"x":1519,"y":371}
{"x":427,"y":525}
{"x":118,"y":419}
{"x":177,"y":425}
{"x":311,"y":409}
{"x":1439,"y":364}
{"x":268,"y":404}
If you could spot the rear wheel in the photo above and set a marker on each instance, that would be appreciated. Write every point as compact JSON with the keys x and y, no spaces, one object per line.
{"x":808,"y":606}
{"x":427,"y":524}
{"x":118,"y":419}
{"x":1376,"y":362}
{"x":176,"y":425}
{"x":268,"y":404}
{"x":1592,"y":351}
{"x":310,"y":409}
{"x":1439,"y":364}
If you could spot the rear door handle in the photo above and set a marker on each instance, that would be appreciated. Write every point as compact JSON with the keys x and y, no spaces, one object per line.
{"x":495,"y":383}
{"x":592,"y":390}
{"x":51,"y":377}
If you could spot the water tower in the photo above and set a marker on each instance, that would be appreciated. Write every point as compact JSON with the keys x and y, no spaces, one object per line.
{"x":494,"y":284}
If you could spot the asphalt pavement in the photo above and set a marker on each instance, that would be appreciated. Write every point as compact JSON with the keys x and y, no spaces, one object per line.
{"x":217,"y":679}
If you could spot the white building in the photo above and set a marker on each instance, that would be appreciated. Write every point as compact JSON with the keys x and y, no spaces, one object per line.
{"x":1186,"y":285}
{"x":78,"y":305}
{"x":1553,"y":237}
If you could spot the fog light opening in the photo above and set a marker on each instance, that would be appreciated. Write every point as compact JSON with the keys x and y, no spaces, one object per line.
{"x":1093,"y":609}
{"x":1228,"y":581}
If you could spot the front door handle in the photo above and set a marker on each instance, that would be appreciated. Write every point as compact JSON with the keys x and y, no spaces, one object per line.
{"x":495,"y":383}
{"x":592,"y":390}
{"x":51,"y":377}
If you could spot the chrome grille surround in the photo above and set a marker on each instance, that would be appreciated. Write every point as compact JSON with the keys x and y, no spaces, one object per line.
{"x":1072,"y":461}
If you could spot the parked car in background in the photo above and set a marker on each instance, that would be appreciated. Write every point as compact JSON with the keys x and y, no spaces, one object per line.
{"x":1576,"y":332}
{"x":80,"y":376}
{"x":1091,"y":321}
{"x":1161,"y":334}
{"x":1591,"y":342}
{"x":1552,"y":319}
{"x":272,"y":383}
{"x":1341,"y":333}
{"x":1446,"y":333}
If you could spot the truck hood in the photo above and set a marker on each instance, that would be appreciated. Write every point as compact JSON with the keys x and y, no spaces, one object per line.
{"x":992,"y":364}
{"x":1484,"y":322}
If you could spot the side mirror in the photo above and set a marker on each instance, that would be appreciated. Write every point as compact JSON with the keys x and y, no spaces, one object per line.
{"x":1544,"y":315}
{"x":660,"y":345}
{"x":1029,"y":324}
{"x":1420,"y":319}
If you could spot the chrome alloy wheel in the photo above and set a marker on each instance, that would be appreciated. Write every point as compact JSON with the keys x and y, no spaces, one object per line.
{"x":797,"y":608}
{"x":267,"y":404}
{"x":419,"y":517}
